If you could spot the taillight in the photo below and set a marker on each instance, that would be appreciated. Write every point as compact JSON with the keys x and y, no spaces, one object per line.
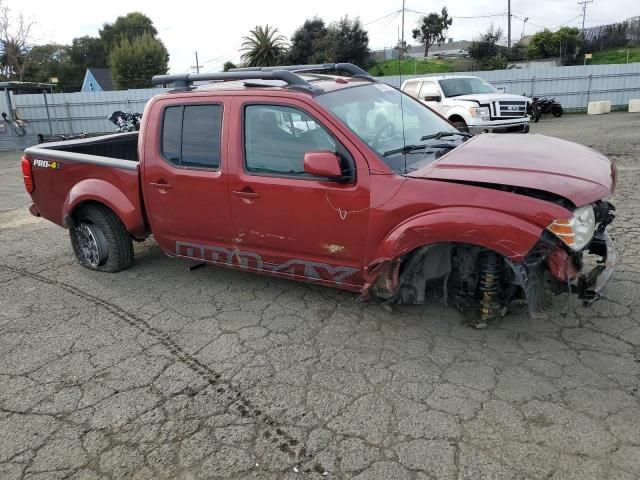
{"x":27,"y":175}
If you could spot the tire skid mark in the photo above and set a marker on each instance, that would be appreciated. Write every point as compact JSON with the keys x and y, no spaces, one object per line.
{"x":245,"y":408}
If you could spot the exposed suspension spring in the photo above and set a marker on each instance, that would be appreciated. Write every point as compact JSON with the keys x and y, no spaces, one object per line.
{"x":489,"y":283}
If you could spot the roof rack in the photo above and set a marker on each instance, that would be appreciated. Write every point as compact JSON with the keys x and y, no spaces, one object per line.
{"x":286,"y":74}
{"x":349,"y":68}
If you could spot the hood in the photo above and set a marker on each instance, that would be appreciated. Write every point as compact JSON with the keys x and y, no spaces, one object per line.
{"x":490,"y":97}
{"x":573,"y":171}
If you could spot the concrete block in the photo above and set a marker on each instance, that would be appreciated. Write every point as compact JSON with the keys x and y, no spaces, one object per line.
{"x":598,"y":108}
{"x":634,"y":105}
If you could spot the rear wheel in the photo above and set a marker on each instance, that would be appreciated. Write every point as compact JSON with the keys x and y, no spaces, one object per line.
{"x":100,"y":241}
{"x":557,"y":111}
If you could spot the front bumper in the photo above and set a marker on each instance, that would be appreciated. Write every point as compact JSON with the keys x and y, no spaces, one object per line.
{"x":591,"y":284}
{"x":549,"y":264}
{"x":508,"y":127}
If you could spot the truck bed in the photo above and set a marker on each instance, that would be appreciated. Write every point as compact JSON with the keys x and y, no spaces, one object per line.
{"x":104,"y":169}
{"x":104,"y":150}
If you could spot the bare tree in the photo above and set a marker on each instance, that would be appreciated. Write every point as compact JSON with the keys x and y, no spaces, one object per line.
{"x":15,"y":34}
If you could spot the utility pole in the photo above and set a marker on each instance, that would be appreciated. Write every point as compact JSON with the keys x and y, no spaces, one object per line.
{"x":584,"y":4}
{"x":402,"y":37}
{"x":509,"y":24}
{"x":197,"y":65}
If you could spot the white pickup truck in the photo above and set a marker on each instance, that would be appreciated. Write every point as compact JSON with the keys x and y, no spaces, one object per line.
{"x":471,"y":104}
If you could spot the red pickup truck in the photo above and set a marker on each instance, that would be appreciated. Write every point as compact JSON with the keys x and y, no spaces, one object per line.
{"x":343,"y":181}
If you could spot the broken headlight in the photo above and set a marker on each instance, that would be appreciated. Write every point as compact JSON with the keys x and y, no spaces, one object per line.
{"x":576,"y":232}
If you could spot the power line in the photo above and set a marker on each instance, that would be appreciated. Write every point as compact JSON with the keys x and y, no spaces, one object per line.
{"x":569,"y":21}
{"x":381,"y":18}
{"x":462,"y":17}
{"x":529,"y":21}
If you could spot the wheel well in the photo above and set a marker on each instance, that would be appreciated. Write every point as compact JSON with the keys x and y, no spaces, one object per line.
{"x":429,"y":263}
{"x":448,"y":264}
{"x":70,"y":219}
{"x":456,"y":118}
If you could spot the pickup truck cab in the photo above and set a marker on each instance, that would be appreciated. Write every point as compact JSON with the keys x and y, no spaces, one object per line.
{"x":471,"y":104}
{"x":342,"y":181}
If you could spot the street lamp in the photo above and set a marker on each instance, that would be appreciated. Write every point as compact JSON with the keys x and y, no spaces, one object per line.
{"x":524,"y":23}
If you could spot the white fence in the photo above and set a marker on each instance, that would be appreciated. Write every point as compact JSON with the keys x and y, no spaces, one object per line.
{"x":86,"y":112}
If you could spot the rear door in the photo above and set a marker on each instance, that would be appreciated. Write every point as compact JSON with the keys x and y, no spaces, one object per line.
{"x":184,"y":181}
{"x":293,"y":223}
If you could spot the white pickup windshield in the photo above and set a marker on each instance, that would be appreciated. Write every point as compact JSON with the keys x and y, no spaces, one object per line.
{"x":388,"y":120}
{"x":454,"y":87}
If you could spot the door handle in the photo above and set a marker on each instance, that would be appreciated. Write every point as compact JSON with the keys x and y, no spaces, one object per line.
{"x":246,"y":194}
{"x":161,"y":185}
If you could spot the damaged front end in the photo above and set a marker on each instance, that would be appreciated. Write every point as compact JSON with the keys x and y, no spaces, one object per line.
{"x":480,"y":281}
{"x":552,"y":264}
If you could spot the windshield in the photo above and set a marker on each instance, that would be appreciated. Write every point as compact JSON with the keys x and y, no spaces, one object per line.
{"x":388,"y":121}
{"x":453,"y":87}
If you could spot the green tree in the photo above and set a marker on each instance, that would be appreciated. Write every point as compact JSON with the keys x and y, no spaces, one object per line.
{"x":487,"y":52}
{"x":542,"y":45}
{"x":432,"y":29}
{"x":346,"y":41}
{"x":46,"y":61}
{"x":86,"y":52}
{"x":134,"y":62}
{"x":545,"y":44}
{"x":263,"y":47}
{"x":228,"y":66}
{"x":307,"y":42}
{"x":131,"y":26}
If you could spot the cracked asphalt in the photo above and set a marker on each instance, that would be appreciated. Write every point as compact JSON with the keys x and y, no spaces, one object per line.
{"x":158,"y":372}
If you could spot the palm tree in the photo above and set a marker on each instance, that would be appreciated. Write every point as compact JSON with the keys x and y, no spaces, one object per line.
{"x":262,"y":47}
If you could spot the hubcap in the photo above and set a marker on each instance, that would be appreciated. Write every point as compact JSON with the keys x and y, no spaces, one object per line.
{"x":89,"y":245}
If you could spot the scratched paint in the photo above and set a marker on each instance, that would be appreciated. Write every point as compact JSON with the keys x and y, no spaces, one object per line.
{"x":312,"y":271}
{"x":333,"y":248}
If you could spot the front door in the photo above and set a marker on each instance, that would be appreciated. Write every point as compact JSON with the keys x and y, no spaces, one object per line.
{"x":184,"y":180}
{"x":292,"y":223}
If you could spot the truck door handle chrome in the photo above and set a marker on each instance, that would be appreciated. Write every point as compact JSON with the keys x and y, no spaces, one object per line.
{"x":246,"y":194}
{"x":160,"y":185}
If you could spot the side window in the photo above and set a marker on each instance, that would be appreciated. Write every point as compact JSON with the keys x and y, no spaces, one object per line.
{"x":191,"y":136}
{"x":171,"y":132}
{"x":429,"y":89}
{"x":412,"y":89}
{"x":276,"y":139}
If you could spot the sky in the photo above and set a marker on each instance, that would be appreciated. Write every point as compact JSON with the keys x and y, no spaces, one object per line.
{"x":215,"y":29}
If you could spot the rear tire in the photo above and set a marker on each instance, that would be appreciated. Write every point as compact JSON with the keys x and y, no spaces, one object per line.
{"x":100,"y":241}
{"x":557,"y":111}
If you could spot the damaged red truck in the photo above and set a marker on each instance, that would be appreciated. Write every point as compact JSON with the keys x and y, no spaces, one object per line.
{"x":343,"y":181}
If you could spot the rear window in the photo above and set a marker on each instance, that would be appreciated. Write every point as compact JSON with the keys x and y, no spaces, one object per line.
{"x":191,"y":135}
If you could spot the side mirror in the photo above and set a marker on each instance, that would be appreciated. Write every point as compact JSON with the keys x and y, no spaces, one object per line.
{"x":432,"y":98}
{"x":322,"y":163}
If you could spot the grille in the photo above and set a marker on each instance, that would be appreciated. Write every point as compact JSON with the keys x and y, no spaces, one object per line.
{"x":509,"y":109}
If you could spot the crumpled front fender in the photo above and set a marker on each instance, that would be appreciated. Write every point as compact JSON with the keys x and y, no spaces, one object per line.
{"x":510,"y":236}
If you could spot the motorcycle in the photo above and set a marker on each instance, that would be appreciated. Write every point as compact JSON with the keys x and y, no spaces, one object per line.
{"x":126,"y":122}
{"x":550,"y":105}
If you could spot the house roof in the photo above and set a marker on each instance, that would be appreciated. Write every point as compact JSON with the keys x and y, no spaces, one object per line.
{"x":103,"y":77}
